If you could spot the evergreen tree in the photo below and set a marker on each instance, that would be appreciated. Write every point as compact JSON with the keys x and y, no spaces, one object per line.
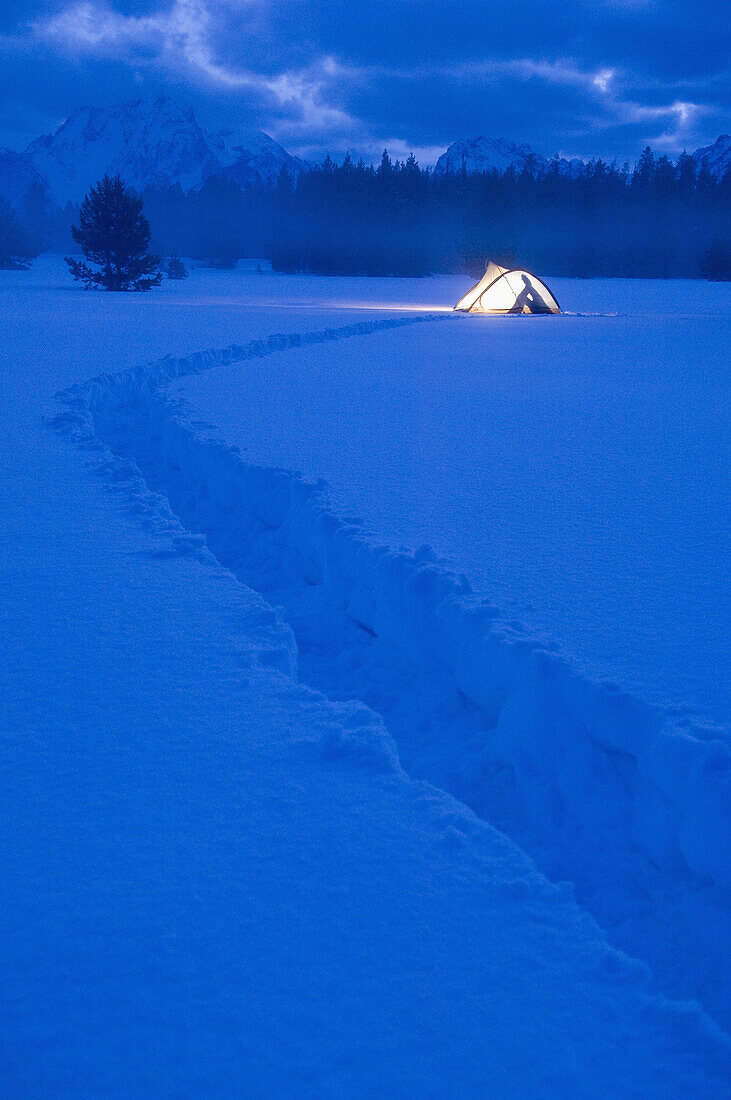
{"x":396,"y":218}
{"x":716,"y":263}
{"x":16,"y":248}
{"x":37,"y":216}
{"x":114,"y":235}
{"x":176,"y":269}
{"x":218,"y":223}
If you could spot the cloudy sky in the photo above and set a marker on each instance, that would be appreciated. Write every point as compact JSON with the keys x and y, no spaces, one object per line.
{"x":579,"y":77}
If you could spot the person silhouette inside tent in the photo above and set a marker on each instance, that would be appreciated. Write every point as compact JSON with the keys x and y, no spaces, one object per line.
{"x":529,"y":300}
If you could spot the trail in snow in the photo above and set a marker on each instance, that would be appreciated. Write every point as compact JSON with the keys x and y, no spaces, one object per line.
{"x":598,"y":787}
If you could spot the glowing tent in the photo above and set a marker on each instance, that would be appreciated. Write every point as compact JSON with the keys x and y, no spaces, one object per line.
{"x":508,"y":290}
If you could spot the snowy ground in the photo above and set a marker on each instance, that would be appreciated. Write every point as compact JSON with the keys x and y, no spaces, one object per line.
{"x":575,"y":470}
{"x":218,"y":881}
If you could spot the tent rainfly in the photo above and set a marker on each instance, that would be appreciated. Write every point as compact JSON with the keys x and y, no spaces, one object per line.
{"x":508,"y":290}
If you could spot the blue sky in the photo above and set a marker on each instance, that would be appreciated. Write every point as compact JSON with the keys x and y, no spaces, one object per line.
{"x":581,"y":78}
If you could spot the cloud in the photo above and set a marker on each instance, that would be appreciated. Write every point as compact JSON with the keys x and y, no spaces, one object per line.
{"x":305,"y":94}
{"x":556,"y":106}
{"x":181,"y":36}
{"x":583,"y":77}
{"x":180,"y":33}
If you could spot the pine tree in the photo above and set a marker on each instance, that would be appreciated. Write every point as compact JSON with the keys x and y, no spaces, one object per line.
{"x":16,"y":248}
{"x":716,"y":262}
{"x":176,"y":269}
{"x":37,"y":216}
{"x":218,"y":208}
{"x":114,"y":235}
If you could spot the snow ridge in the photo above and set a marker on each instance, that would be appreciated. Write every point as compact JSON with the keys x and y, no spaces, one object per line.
{"x":524,"y":737}
{"x":360,"y":735}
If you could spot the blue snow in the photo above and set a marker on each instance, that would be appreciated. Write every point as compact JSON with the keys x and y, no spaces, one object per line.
{"x":294,"y":806}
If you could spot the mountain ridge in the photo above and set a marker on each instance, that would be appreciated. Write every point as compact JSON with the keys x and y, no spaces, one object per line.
{"x":154,"y":141}
{"x":483,"y":154}
{"x":715,"y":158}
{"x":150,"y":141}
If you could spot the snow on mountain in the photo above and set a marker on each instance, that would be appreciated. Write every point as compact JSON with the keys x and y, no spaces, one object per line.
{"x":495,"y":154}
{"x":150,"y":142}
{"x":715,"y":158}
{"x":485,"y":155}
{"x":251,"y":156}
{"x":154,"y":141}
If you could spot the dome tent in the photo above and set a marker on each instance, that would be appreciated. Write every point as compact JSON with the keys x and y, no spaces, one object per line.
{"x":508,"y":290}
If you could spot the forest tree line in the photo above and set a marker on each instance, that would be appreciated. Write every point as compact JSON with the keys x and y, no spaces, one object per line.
{"x":660,"y":219}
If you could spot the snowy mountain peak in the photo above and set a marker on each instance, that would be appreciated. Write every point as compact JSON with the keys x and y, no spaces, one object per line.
{"x":715,"y":158}
{"x":151,"y":141}
{"x":250,"y":155}
{"x":496,"y":154}
{"x":484,"y":155}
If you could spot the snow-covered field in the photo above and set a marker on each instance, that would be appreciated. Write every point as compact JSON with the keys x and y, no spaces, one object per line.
{"x":575,"y":470}
{"x":220,"y":880}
